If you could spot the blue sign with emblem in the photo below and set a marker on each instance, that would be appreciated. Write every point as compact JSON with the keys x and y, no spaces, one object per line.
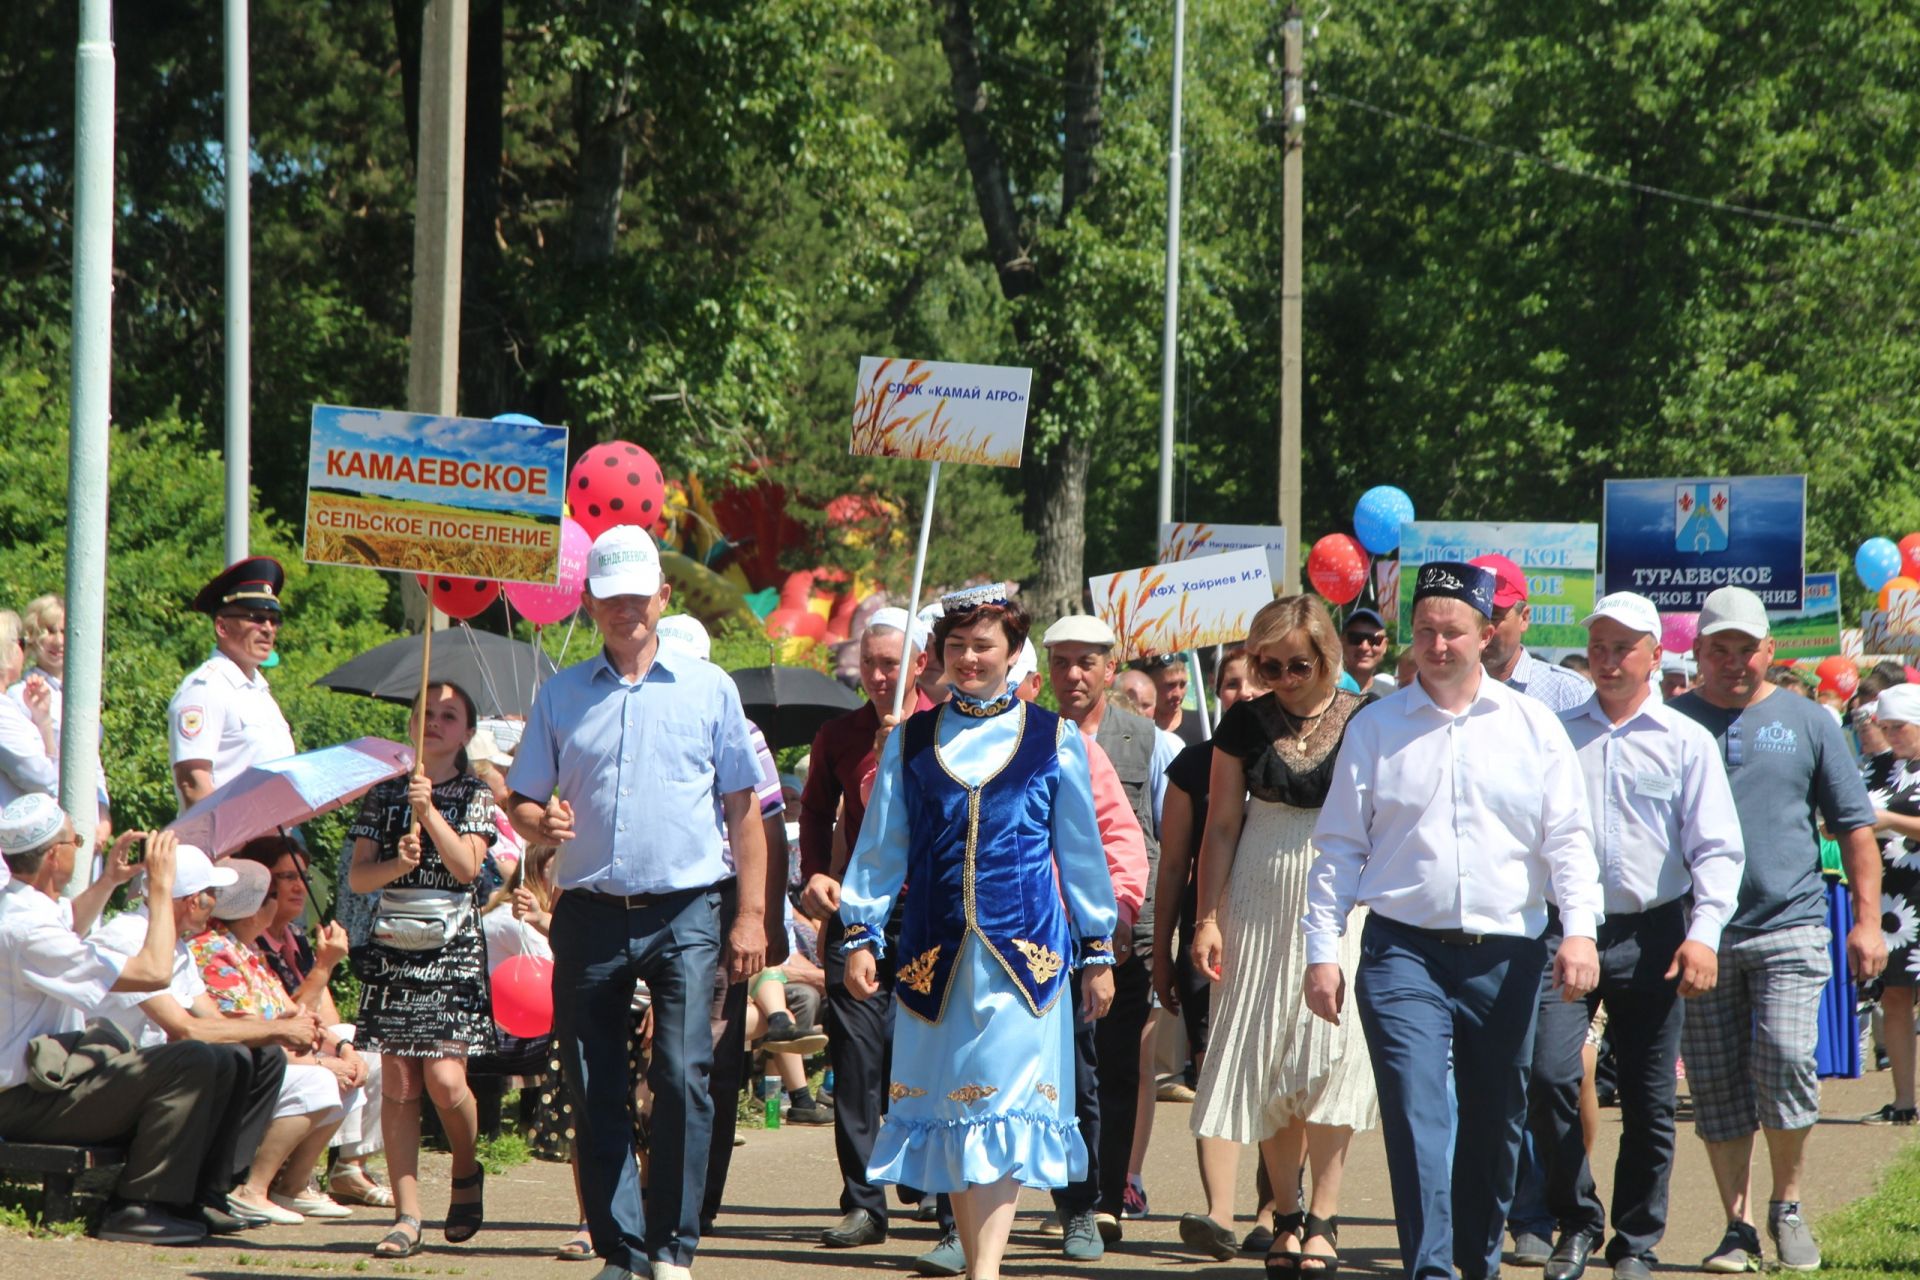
{"x":1676,"y":541}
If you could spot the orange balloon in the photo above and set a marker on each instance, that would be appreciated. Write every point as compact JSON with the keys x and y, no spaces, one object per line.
{"x":1901,"y":583}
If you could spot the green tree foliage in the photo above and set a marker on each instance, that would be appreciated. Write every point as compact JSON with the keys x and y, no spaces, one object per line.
{"x":164,"y":543}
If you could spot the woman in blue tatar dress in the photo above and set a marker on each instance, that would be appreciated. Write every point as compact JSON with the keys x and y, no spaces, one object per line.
{"x":983,"y":810}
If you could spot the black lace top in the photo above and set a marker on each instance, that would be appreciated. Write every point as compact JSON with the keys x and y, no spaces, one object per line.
{"x":1288,"y":760}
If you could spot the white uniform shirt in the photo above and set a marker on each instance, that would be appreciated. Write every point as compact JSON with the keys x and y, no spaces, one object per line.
{"x":220,"y":716}
{"x":51,"y":980}
{"x":1453,"y":822}
{"x":1663,"y":813}
{"x":124,"y":935}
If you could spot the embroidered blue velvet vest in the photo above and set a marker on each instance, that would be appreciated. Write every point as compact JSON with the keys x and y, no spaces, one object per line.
{"x":980,"y":862}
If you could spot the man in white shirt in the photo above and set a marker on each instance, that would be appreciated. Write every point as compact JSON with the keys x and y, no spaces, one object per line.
{"x":163,"y":1104}
{"x":1671,"y":857}
{"x":1454,"y":804}
{"x":265,"y":1087}
{"x":223,"y":717}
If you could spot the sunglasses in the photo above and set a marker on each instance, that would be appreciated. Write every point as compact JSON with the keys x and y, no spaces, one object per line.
{"x":1366,"y":638}
{"x":259,"y":618}
{"x":1272,"y":669}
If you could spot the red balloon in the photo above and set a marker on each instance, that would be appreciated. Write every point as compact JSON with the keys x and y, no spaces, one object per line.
{"x":523,"y":996}
{"x":459,"y":597}
{"x":1838,"y":675}
{"x":1337,"y":567}
{"x":789,"y":620}
{"x":1910,"y":555}
{"x":615,"y":483}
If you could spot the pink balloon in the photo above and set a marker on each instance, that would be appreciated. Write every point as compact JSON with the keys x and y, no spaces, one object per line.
{"x":545,"y":605}
{"x":1677,"y":631}
{"x":523,"y":996}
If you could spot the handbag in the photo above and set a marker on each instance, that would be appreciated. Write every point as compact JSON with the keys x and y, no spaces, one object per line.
{"x":420,"y":919}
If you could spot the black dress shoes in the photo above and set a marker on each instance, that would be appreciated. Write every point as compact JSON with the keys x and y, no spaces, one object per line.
{"x":1569,"y":1260}
{"x":857,"y":1228}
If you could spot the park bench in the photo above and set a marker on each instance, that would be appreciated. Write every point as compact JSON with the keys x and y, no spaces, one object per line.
{"x":56,"y":1167}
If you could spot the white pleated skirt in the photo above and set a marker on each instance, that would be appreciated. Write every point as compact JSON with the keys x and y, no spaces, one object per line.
{"x":1269,"y":1060}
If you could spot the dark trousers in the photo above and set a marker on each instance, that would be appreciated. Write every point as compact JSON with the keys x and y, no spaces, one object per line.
{"x":1644,"y":1017}
{"x":257,"y":1075}
{"x":860,"y":1051}
{"x":729,"y":1070}
{"x":1107,"y":1089}
{"x":599,"y":949}
{"x":1423,"y":1002}
{"x":162,"y":1104}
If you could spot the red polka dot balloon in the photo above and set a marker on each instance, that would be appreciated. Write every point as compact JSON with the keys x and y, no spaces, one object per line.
{"x":615,"y":483}
{"x":459,"y":597}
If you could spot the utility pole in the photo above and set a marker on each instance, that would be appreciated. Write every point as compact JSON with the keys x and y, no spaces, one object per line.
{"x":87,"y":435}
{"x":433,"y":363}
{"x":1292,"y":206}
{"x":1170,"y":328}
{"x":237,"y":152}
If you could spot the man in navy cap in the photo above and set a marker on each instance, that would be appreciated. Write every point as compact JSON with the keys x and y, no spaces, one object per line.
{"x":1363,"y":652}
{"x":223,"y":717}
{"x":1455,"y":803}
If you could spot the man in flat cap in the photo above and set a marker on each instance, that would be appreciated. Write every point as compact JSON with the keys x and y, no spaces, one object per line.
{"x":1455,"y":803}
{"x":223,"y":717}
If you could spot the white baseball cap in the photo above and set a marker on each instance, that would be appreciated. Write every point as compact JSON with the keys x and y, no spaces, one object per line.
{"x":1899,"y":704}
{"x":624,"y":562}
{"x":686,"y":633}
{"x":1079,"y":628}
{"x":1025,"y":665}
{"x":484,"y":748}
{"x":1734,"y":609}
{"x":194,"y":872}
{"x":1634,"y":612}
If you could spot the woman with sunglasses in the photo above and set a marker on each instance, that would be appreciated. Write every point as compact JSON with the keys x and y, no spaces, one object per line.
{"x":1274,"y":1074}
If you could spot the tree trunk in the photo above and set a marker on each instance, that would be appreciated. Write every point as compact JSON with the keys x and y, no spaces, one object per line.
{"x":601,"y":103}
{"x":984,"y":162}
{"x":1055,"y":513}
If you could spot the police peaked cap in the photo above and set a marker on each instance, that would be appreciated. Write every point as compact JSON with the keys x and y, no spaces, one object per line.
{"x":253,"y":583}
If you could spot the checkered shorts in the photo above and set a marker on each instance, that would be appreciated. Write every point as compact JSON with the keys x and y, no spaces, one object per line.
{"x":1749,"y":1043}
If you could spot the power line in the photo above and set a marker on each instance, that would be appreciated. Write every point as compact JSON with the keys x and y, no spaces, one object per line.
{"x":1559,"y":166}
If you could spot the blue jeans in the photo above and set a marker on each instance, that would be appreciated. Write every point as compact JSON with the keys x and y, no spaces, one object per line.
{"x":1421,"y":1001}
{"x":599,"y":949}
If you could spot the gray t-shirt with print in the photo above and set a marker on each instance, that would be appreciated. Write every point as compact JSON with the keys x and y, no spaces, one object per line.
{"x":1790,"y":770}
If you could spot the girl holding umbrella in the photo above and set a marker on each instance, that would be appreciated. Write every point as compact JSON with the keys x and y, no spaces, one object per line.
{"x":418,"y":843}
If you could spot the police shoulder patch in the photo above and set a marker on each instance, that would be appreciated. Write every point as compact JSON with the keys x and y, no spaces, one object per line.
{"x":192,"y":719}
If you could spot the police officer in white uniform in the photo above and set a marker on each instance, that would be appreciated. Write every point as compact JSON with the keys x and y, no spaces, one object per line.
{"x":223,"y":717}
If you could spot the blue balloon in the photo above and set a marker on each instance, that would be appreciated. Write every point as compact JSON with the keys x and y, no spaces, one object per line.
{"x":1378,"y":515}
{"x":519,"y":419}
{"x":1877,"y":562}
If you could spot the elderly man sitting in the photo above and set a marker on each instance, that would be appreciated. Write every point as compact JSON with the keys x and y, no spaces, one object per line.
{"x":167,"y":1104}
{"x":270,"y":1096}
{"x":321,"y":1083}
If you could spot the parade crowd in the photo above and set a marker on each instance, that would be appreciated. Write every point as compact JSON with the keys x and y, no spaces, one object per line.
{"x":1427,"y":900}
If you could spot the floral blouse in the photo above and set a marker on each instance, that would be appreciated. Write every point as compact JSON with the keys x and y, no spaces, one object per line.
{"x":237,"y":978}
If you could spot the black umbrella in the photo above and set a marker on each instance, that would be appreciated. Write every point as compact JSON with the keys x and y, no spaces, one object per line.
{"x":791,"y":703}
{"x":496,"y":671}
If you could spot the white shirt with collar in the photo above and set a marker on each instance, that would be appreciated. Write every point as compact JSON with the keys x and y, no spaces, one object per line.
{"x":1663,"y":813}
{"x":51,"y":979}
{"x":1443,"y":821}
{"x":124,"y":936}
{"x":220,"y":716}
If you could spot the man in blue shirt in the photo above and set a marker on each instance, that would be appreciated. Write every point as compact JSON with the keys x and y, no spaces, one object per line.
{"x":618,"y":767}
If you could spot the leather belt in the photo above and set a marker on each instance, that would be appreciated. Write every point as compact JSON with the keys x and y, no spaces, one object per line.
{"x":641,"y":901}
